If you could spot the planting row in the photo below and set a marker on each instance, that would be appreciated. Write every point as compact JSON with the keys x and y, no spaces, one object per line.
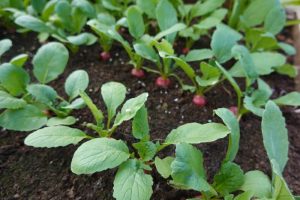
{"x":243,"y":47}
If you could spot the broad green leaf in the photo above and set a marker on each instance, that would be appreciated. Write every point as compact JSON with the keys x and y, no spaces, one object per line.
{"x":82,"y":39}
{"x":249,"y":104}
{"x":194,"y":133}
{"x":147,"y":6}
{"x":288,"y":70}
{"x":135,"y":22}
{"x":99,"y":154}
{"x":234,"y":137}
{"x":113,"y":94}
{"x":170,"y":31}
{"x":203,"y":8}
{"x":13,"y":79}
{"x":85,"y":7}
{"x":290,"y":99}
{"x":28,"y":118}
{"x":243,"y":55}
{"x":210,"y":75}
{"x":251,"y":17}
{"x":163,"y":166}
{"x":140,"y":125}
{"x":188,"y":169}
{"x":56,"y":136}
{"x":38,"y":5}
{"x":10,"y":102}
{"x":229,"y":178}
{"x":275,"y":20}
{"x":32,"y":23}
{"x":146,"y":51}
{"x":166,"y":16}
{"x":258,"y":183}
{"x":131,"y":183}
{"x":76,"y":82}
{"x":76,"y":104}
{"x":63,"y":10}
{"x":287,"y":48}
{"x":275,"y":135}
{"x":244,"y":196}
{"x":50,"y":61}
{"x":42,"y":93}
{"x":56,"y":121}
{"x":97,"y":114}
{"x":223,"y":39}
{"x":146,"y":150}
{"x":265,"y":63}
{"x":130,"y":108}
{"x":19,"y":60}
{"x":198,"y":54}
{"x":5,"y":45}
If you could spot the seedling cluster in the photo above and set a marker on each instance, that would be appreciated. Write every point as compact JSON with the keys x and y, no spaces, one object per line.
{"x":243,"y":48}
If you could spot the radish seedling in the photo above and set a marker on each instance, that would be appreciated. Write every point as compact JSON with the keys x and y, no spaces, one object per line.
{"x":29,"y":105}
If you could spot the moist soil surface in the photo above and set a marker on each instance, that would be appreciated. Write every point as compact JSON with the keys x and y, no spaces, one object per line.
{"x":30,"y":173}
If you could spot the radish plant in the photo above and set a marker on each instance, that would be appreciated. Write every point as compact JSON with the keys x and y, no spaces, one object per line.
{"x":62,"y":20}
{"x":104,"y":152}
{"x":187,"y":167}
{"x":27,"y":105}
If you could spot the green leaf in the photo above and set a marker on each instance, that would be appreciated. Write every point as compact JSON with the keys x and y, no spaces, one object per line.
{"x":76,"y":104}
{"x":275,"y":135}
{"x":56,"y":121}
{"x":130,"y":108}
{"x":166,"y":16}
{"x":97,"y":114}
{"x":244,"y":196}
{"x":163,"y":166}
{"x":198,"y":55}
{"x":287,"y":48}
{"x":32,"y":23}
{"x":76,"y":82}
{"x":28,"y":118}
{"x":234,"y":137}
{"x":258,"y":183}
{"x":275,"y":20}
{"x":19,"y":60}
{"x":10,"y":102}
{"x":194,"y":133}
{"x":147,"y":6}
{"x":13,"y":79}
{"x":98,"y":155}
{"x":210,"y":75}
{"x":280,"y":188}
{"x":203,"y":8}
{"x":82,"y":39}
{"x":146,"y":150}
{"x":188,"y":169}
{"x":290,"y":99}
{"x":135,"y":22}
{"x":223,"y":39}
{"x":265,"y":63}
{"x":229,"y":178}
{"x":243,"y":55}
{"x":113,"y":94}
{"x":140,"y":125}
{"x":38,"y":5}
{"x":146,"y":51}
{"x":131,"y":183}
{"x":288,"y":70}
{"x":50,"y":61}
{"x":251,"y":17}
{"x":56,"y":136}
{"x":170,"y":31}
{"x":42,"y":93}
{"x":5,"y":45}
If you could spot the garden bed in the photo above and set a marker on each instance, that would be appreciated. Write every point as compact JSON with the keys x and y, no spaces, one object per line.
{"x":28,"y":173}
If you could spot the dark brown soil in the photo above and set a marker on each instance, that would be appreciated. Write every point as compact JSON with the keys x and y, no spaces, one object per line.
{"x":28,"y":173}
